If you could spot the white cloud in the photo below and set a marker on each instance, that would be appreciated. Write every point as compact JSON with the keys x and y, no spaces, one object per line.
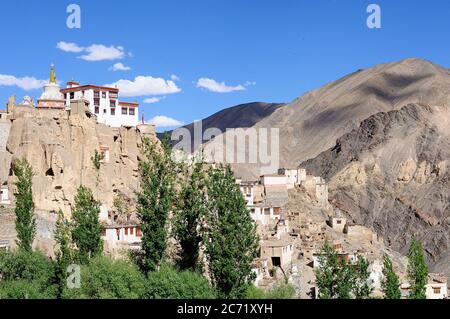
{"x":214,"y":86}
{"x":174,"y":77}
{"x":100,"y":52}
{"x":69,"y":47}
{"x":26,"y":83}
{"x":152,"y":100}
{"x":120,"y":67}
{"x":250,"y":83}
{"x":145,"y":85}
{"x":164,"y":121}
{"x":94,"y":52}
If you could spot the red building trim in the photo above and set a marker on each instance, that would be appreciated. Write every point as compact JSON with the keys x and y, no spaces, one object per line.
{"x":129,"y":104}
{"x":88,"y":87}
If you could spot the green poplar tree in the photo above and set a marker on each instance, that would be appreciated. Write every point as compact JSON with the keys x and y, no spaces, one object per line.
{"x":191,"y":210}
{"x":363,"y":285}
{"x":390,"y":284}
{"x":64,"y":254}
{"x":25,"y":220}
{"x":417,"y":270}
{"x":231,"y":240}
{"x":334,"y":277}
{"x":86,"y":229}
{"x":155,"y":201}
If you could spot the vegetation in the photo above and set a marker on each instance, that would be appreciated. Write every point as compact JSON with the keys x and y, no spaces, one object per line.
{"x":231,"y":240}
{"x":417,"y":270}
{"x":281,"y":291}
{"x":338,"y":279}
{"x":191,"y":211}
{"x":25,"y":220}
{"x":155,"y":201}
{"x":64,"y":253}
{"x":104,"y":278}
{"x":362,"y":286}
{"x":86,"y":228}
{"x":97,"y":160}
{"x":168,"y":283}
{"x":390,"y":283}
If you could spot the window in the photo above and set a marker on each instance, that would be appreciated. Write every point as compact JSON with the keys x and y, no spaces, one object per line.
{"x":113,"y":95}
{"x":96,"y":94}
{"x":131,"y":111}
{"x":72,"y":95}
{"x":104,"y":95}
{"x":104,"y":111}
{"x":112,"y":103}
{"x":339,"y":221}
{"x":96,"y":101}
{"x":126,"y":231}
{"x":436,"y":290}
{"x":97,"y":110}
{"x":124,"y":111}
{"x":113,"y":111}
{"x":138,"y":232}
{"x":103,"y":232}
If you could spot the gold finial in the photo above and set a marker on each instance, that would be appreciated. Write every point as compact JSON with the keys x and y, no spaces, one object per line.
{"x":52,"y":74}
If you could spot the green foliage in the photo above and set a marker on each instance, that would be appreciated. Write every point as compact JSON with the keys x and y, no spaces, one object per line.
{"x":25,"y":220}
{"x":254,"y":292}
{"x":417,"y":270}
{"x":64,"y":253}
{"x":167,"y":283}
{"x":86,"y":232}
{"x":390,"y":283}
{"x":25,"y":274}
{"x":155,"y":201}
{"x":231,"y":240}
{"x":281,"y":291}
{"x":362,"y":287}
{"x":97,"y":159}
{"x":191,"y":210}
{"x":335,"y":278}
{"x":104,"y":278}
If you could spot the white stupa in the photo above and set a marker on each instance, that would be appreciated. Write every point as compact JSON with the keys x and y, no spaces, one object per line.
{"x":52,"y":96}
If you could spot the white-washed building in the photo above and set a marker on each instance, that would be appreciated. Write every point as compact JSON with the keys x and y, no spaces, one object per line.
{"x":104,"y":103}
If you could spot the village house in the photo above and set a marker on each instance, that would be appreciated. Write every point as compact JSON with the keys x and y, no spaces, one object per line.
{"x":4,"y":195}
{"x":293,"y":176}
{"x":278,"y":253}
{"x":264,"y":214}
{"x":338,"y":222}
{"x":4,"y":245}
{"x":436,"y":287}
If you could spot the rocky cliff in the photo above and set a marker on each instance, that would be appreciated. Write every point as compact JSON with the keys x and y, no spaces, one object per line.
{"x":392,"y":174}
{"x":60,"y":149}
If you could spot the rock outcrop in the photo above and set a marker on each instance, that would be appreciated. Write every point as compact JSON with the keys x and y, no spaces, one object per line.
{"x":392,"y":174}
{"x":60,"y":148}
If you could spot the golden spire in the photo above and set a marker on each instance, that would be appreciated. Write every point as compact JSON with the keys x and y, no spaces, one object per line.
{"x":52,"y":74}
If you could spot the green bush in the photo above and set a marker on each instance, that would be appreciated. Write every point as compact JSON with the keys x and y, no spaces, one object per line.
{"x":25,"y":275}
{"x":104,"y":278}
{"x":167,"y":283}
{"x":282,"y":291}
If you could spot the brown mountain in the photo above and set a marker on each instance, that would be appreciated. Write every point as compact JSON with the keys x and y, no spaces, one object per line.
{"x":239,"y":116}
{"x":312,"y":123}
{"x":392,"y":174}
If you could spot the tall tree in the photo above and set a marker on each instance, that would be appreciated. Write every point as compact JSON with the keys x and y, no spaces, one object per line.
{"x":25,"y":220}
{"x":417,"y":270}
{"x":231,"y":242}
{"x":335,"y":277}
{"x":390,"y":284}
{"x":191,"y":210}
{"x":363,"y":284}
{"x":64,"y":253}
{"x":87,"y":229}
{"x":155,"y":200}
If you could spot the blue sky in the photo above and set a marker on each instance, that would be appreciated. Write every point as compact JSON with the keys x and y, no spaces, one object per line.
{"x":272,"y":51}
